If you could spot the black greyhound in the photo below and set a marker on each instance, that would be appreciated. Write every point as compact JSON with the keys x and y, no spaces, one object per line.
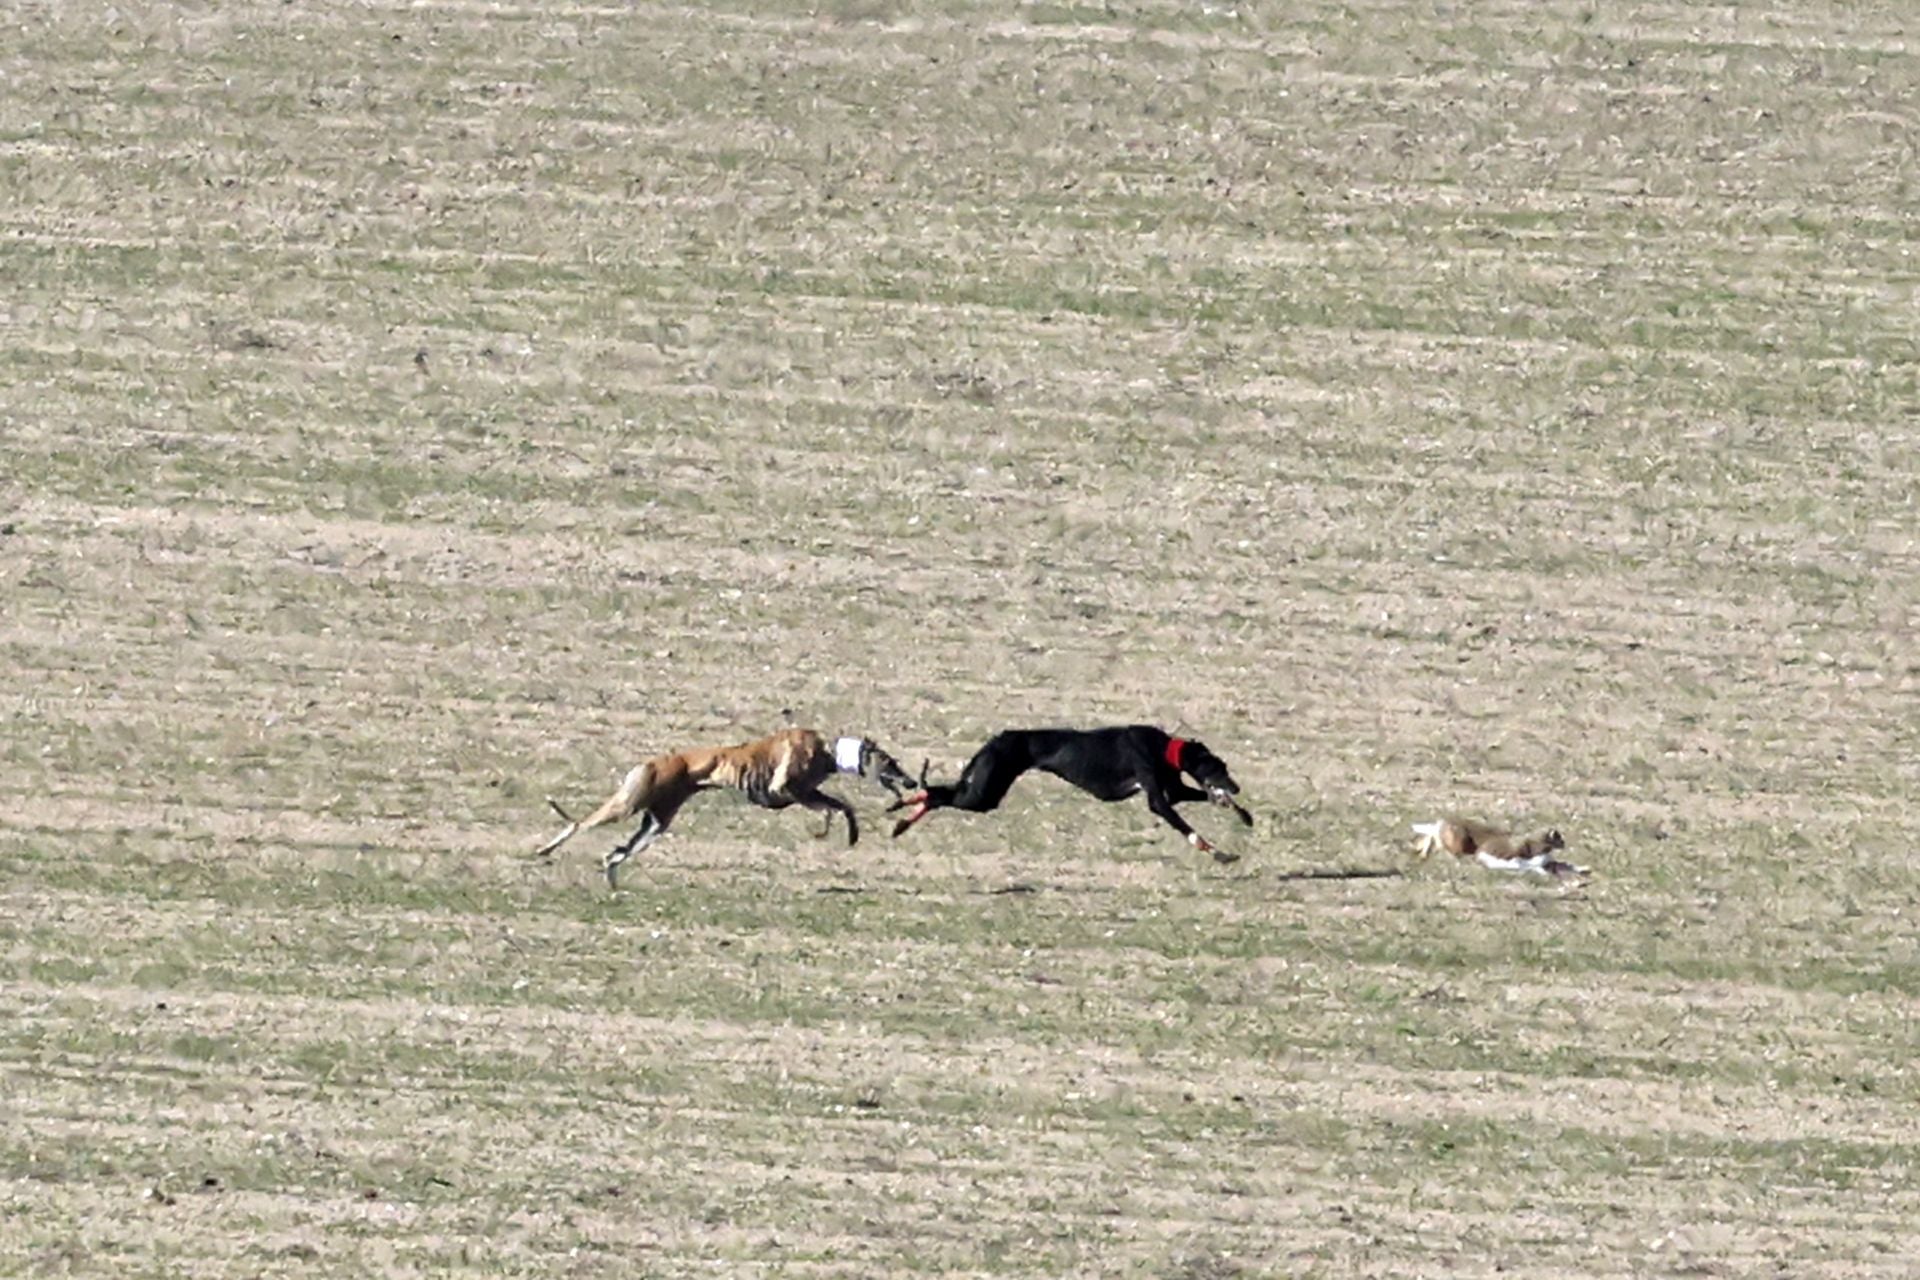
{"x":1109,"y":764}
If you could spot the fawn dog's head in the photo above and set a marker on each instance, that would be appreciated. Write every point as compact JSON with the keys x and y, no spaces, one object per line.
{"x":877,"y":766}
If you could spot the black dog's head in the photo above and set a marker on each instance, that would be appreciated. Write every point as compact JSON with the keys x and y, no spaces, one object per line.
{"x":1210,"y":771}
{"x":1553,"y":840}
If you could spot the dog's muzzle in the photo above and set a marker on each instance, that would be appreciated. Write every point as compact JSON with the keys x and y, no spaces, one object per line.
{"x":1224,"y":799}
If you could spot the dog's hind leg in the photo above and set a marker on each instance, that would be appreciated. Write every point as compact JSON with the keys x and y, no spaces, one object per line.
{"x":651,"y":829}
{"x":623,"y":803}
{"x":918,"y":806}
{"x":983,"y":784}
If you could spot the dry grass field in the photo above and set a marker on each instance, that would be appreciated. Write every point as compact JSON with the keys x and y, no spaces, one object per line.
{"x":411,"y":411}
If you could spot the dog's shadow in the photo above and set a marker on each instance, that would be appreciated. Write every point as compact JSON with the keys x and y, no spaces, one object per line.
{"x":1342,"y":873}
{"x":1021,"y":888}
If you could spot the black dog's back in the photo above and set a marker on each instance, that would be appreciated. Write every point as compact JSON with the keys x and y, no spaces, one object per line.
{"x":1106,"y":763}
{"x":991,"y":773}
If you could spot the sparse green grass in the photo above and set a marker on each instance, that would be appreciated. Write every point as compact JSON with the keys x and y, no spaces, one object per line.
{"x":1504,"y":411}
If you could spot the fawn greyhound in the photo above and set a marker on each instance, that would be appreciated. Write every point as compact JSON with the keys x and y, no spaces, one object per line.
{"x":773,"y":772}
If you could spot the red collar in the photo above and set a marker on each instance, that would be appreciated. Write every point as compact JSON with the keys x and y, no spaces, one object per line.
{"x":1175,"y":748}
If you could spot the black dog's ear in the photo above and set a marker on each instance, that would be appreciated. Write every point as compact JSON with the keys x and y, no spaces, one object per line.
{"x":1200,"y":762}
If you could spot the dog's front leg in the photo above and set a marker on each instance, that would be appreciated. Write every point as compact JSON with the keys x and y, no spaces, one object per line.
{"x":1163,"y":808}
{"x":821,"y":802}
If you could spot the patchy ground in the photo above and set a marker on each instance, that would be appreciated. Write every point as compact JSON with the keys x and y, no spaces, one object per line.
{"x":415,"y":411}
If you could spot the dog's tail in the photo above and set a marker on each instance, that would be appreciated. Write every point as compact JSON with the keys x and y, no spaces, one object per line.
{"x":636,"y":790}
{"x":1429,"y":833}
